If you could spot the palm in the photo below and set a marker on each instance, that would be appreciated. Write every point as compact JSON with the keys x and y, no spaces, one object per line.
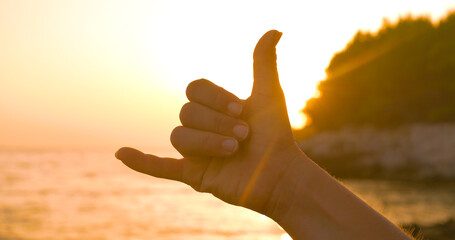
{"x":236,"y":178}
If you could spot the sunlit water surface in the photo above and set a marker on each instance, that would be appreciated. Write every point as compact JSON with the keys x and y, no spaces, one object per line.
{"x":91,"y":195}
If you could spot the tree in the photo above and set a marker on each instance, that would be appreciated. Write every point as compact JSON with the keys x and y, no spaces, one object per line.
{"x":403,"y":74}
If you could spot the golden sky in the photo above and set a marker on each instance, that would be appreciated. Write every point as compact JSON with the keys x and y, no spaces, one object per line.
{"x":113,"y":73}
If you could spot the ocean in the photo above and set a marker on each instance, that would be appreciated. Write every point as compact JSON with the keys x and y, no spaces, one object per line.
{"x":91,"y":195}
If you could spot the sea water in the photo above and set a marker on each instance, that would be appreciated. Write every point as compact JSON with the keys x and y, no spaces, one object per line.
{"x":91,"y":195}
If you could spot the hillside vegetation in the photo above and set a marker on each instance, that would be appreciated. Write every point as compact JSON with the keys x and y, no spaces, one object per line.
{"x":403,"y":74}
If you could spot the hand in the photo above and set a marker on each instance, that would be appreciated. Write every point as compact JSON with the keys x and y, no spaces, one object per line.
{"x":243,"y":152}
{"x":240,"y":151}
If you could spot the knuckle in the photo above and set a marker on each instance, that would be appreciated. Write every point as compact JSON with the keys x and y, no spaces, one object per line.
{"x":192,"y":87}
{"x":175,"y":137}
{"x":220,"y":123}
{"x":186,"y":113}
{"x":219,"y":100}
{"x":207,"y":142}
{"x":217,"y":123}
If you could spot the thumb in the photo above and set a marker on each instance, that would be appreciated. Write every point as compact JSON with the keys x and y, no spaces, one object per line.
{"x":266,"y":81}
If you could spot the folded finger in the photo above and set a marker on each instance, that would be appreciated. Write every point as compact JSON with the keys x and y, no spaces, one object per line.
{"x":194,"y":142}
{"x":198,"y":116}
{"x":207,"y":93}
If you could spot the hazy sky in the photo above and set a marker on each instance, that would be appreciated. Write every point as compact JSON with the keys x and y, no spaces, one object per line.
{"x":113,"y":73}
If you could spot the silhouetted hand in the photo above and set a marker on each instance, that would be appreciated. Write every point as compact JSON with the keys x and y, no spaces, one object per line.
{"x":248,"y":173}
{"x":244,"y":153}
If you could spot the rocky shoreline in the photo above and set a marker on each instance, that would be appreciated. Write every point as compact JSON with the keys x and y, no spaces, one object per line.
{"x":413,"y":152}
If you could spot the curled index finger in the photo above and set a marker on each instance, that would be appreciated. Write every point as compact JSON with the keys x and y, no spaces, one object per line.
{"x":207,"y":93}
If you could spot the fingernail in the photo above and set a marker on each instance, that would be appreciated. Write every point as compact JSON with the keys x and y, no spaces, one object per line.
{"x":230,"y":145}
{"x":278,"y":35}
{"x":241,"y":131}
{"x":235,"y":108}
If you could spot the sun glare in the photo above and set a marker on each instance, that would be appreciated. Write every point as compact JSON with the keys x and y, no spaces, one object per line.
{"x":285,"y":236}
{"x":224,"y":55}
{"x":297,"y":120}
{"x":220,"y":49}
{"x":113,"y":65}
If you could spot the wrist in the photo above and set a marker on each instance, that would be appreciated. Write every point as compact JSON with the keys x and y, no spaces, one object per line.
{"x":298,"y":211}
{"x":291,"y":190}
{"x":310,"y":204}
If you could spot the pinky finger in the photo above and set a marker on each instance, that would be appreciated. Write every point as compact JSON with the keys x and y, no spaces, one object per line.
{"x":168,"y":168}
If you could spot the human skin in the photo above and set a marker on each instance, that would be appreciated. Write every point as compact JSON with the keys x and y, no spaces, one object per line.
{"x":244,"y":153}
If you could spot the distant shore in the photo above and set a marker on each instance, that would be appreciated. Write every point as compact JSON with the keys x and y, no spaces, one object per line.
{"x":412,"y":152}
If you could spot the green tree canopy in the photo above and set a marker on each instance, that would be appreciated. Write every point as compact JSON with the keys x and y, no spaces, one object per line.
{"x":404,"y":73}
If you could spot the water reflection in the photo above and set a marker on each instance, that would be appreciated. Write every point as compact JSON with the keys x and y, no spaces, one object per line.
{"x":90,"y":195}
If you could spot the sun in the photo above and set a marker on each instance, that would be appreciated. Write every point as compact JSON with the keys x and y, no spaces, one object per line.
{"x":297,"y":120}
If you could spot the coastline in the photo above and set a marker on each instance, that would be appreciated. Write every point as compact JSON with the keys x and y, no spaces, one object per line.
{"x":411,"y":152}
